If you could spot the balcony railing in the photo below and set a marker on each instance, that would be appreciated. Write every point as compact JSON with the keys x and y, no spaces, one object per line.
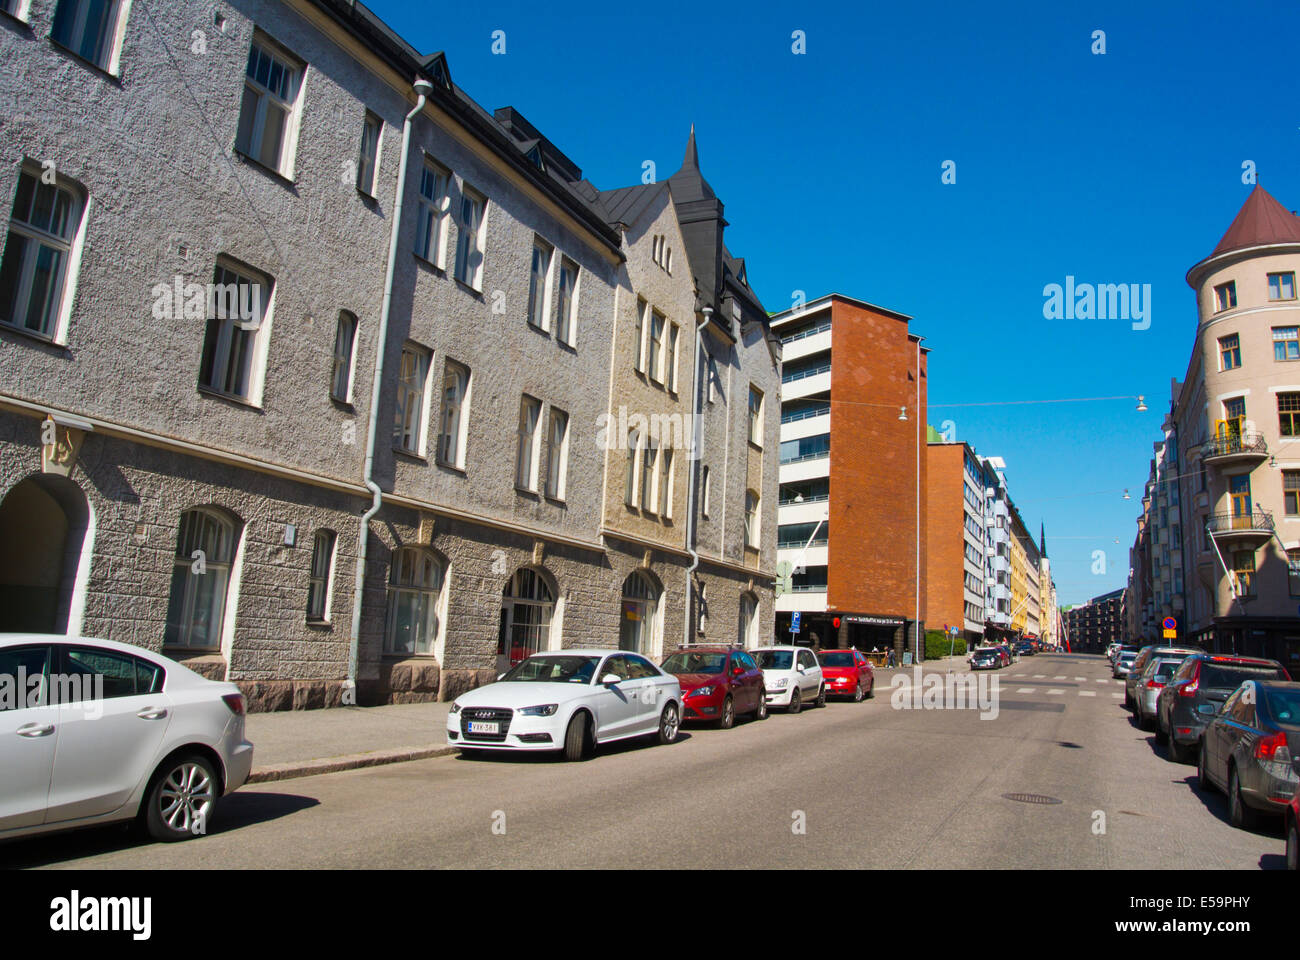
{"x":798,"y":415}
{"x":815,"y":455}
{"x":1230,"y":445}
{"x":810,"y":332}
{"x":801,"y":374}
{"x":1261,"y":521}
{"x":791,"y":502}
{"x":792,"y":544}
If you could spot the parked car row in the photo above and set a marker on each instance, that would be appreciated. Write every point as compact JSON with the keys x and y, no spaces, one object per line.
{"x":572,"y":700}
{"x":992,"y":657}
{"x":1237,"y":717}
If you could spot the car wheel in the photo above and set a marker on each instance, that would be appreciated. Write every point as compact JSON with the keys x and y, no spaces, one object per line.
{"x":1162,"y":736}
{"x":728,"y":718}
{"x":871,"y":690}
{"x":858,"y":695}
{"x":1202,"y":781}
{"x":761,"y":712}
{"x":1178,"y":753}
{"x":1292,"y":845}
{"x":796,"y":702}
{"x":575,"y":738}
{"x":669,"y":723}
{"x":1241,"y":816}
{"x":821,"y":695}
{"x":180,"y":802}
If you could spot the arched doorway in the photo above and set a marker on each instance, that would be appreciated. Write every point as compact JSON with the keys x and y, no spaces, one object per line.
{"x":639,"y":621}
{"x":45,"y":533}
{"x":527,"y":607}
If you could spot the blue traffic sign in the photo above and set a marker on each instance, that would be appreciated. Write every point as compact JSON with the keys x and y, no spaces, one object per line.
{"x":794,"y":621}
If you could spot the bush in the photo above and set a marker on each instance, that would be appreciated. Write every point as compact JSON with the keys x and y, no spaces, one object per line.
{"x":939,"y":645}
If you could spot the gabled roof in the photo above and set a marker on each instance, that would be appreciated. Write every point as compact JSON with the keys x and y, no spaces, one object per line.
{"x":626,"y":204}
{"x":1260,"y":221}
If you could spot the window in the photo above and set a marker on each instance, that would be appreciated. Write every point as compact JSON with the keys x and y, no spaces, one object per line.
{"x":235,"y":312}
{"x":205,"y":550}
{"x":1225,"y":296}
{"x":431,"y":219}
{"x":637,"y":624}
{"x":344,"y":339}
{"x":1239,"y":496}
{"x":657,"y":321}
{"x":408,"y":415}
{"x":751,"y":519}
{"x":1293,"y":572}
{"x":530,"y":416}
{"x":748,"y":637}
{"x":1291,"y":493}
{"x":322,"y":556}
{"x":33,"y":664}
{"x":1234,"y":419}
{"x":649,"y":461}
{"x":566,"y":301}
{"x":704,"y":496}
{"x":1243,"y":569}
{"x":641,"y":308}
{"x":666,"y":483}
{"x":86,"y":27}
{"x":526,"y":611}
{"x":629,"y":492}
{"x":557,"y":454}
{"x":1229,"y":352}
{"x":455,"y":391}
{"x":541,"y":269}
{"x":711,"y":374}
{"x":265,"y":118}
{"x":1286,"y":343}
{"x":674,"y":334}
{"x":755,"y":416}
{"x":368,"y":159}
{"x":469,"y":239}
{"x":1288,"y":414}
{"x":34,"y":270}
{"x":1281,"y":286}
{"x":414,"y":593}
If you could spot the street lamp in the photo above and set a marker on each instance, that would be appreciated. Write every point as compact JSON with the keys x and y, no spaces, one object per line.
{"x":1142,"y":407}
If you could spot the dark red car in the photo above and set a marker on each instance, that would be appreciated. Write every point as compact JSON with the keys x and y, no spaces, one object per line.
{"x":847,"y":673}
{"x":718,"y":682}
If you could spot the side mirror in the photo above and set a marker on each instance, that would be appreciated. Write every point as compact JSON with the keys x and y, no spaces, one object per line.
{"x":611,"y":678}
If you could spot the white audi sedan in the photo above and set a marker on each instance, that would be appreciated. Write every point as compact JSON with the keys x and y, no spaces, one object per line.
{"x":94,"y":732}
{"x":792,"y":677}
{"x":568,"y":700}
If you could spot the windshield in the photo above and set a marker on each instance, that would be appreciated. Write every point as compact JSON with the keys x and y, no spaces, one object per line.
{"x":775,"y":659}
{"x":1284,"y":705}
{"x":1218,"y":675}
{"x":986,"y":652}
{"x":837,"y":658}
{"x":695,"y":663}
{"x":553,"y":669}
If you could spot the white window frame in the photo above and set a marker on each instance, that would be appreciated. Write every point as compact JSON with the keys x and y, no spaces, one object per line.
{"x":411,"y":394}
{"x":320,"y":583}
{"x":756,"y":416}
{"x":557,"y":454}
{"x":539,"y":283}
{"x":566,"y":301}
{"x":667,"y":467}
{"x":344,"y":362}
{"x":642,"y":308}
{"x":527,"y":448}
{"x":431,"y":220}
{"x":454,"y":425}
{"x":704,"y":493}
{"x":109,"y":56}
{"x":368,"y":160}
{"x":233,"y":330}
{"x":674,"y":339}
{"x":655,"y":357}
{"x":218,"y":563}
{"x":68,"y":247}
{"x":630,"y":484}
{"x":431,"y":599}
{"x":470,"y":237}
{"x":255,"y":147}
{"x":753,"y":519}
{"x":649,"y":476}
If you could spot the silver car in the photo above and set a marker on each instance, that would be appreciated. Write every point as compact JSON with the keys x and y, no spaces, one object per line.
{"x":1159,"y":671}
{"x":1123,"y":662}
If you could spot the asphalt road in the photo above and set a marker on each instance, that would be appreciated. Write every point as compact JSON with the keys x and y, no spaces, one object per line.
{"x":873,"y":786}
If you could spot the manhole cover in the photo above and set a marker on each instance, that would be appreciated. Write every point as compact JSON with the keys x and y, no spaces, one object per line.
{"x":1030,"y":798}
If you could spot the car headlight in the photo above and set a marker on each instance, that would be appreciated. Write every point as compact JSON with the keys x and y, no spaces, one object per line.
{"x":780,"y":684}
{"x":699,"y":692}
{"x":455,"y":707}
{"x":542,"y":710}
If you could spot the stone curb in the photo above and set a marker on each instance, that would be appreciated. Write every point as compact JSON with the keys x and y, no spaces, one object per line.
{"x":355,"y":761}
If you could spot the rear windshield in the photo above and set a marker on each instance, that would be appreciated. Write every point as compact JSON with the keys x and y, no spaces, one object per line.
{"x":837,"y":658}
{"x":1284,"y":705}
{"x":1220,"y":675}
{"x":1166,"y":669}
{"x":695,"y":663}
{"x":774,"y":659}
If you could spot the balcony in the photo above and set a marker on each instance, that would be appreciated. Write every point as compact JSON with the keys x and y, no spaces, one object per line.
{"x":806,"y":423}
{"x":806,"y":382}
{"x":811,"y":341}
{"x":1235,"y":448}
{"x":1255,"y":526}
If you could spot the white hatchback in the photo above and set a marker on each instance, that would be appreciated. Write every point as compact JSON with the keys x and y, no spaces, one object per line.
{"x":792,"y":677}
{"x":568,"y":700}
{"x":94,"y":732}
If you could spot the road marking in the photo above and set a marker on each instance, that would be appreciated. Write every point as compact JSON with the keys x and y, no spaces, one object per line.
{"x":1039,"y":676}
{"x":1061,"y":677}
{"x":1117,"y":696}
{"x":1087,"y":693}
{"x":1025,"y":690}
{"x":1102,"y":680}
{"x":1080,"y":679}
{"x":1055,"y":690}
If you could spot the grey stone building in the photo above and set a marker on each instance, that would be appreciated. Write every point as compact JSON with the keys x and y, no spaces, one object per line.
{"x":303,"y":356}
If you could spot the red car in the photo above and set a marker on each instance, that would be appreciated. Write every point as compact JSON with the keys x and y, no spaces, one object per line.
{"x":847,"y":673}
{"x":718,"y":682}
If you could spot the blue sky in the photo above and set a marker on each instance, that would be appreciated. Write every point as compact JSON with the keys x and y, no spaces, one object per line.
{"x":1117,"y":168}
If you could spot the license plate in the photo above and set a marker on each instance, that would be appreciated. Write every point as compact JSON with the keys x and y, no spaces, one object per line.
{"x":477,"y":727}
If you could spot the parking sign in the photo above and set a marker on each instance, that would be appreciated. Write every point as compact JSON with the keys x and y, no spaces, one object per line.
{"x":794,"y":621}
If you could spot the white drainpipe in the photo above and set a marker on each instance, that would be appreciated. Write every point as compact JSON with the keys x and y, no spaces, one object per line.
{"x":422,"y":89}
{"x":687,"y":633}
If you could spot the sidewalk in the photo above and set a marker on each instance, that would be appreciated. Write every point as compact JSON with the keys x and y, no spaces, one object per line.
{"x":303,"y":743}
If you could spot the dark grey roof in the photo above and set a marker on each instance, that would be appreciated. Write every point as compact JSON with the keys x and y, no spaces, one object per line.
{"x":626,"y":204}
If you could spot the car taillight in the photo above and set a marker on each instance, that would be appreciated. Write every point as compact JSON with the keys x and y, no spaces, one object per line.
{"x":1268,"y":748}
{"x":1154,"y":685}
{"x":235,"y":701}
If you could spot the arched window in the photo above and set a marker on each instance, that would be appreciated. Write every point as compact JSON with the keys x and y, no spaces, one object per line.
{"x":414,"y":591}
{"x":526,"y":610}
{"x":748,"y":621}
{"x":638,"y":621}
{"x":205,"y":550}
{"x":751,"y":519}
